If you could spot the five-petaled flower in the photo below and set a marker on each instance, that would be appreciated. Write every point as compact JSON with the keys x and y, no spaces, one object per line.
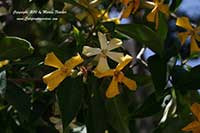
{"x":192,"y":33}
{"x":54,"y":78}
{"x":153,"y":16}
{"x":104,"y":51}
{"x":118,"y":77}
{"x":130,"y":6}
{"x":195,"y":125}
{"x":3,"y":63}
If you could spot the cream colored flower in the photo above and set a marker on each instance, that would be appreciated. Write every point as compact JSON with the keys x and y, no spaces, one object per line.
{"x":104,"y":52}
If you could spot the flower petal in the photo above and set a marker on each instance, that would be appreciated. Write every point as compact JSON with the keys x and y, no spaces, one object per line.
{"x":192,"y":126}
{"x":151,"y":16}
{"x":194,"y":46}
{"x":184,"y":23}
{"x":52,"y":60}
{"x":125,"y":61}
{"x":102,"y":65}
{"x":113,"y":89}
{"x":127,"y":11}
{"x":89,"y":51}
{"x":53,"y":79}
{"x":131,"y":84}
{"x":164,"y":9}
{"x":183,"y":36}
{"x":116,"y":56}
{"x":73,"y":62}
{"x":114,"y":43}
{"x":104,"y":74}
{"x":3,"y":63}
{"x":102,"y":40}
{"x":196,"y":110}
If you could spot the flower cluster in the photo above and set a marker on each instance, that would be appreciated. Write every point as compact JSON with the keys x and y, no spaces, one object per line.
{"x":102,"y":69}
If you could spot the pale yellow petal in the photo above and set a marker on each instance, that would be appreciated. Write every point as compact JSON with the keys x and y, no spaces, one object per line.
{"x":73,"y":62}
{"x":183,"y":36}
{"x":127,"y":59}
{"x":194,"y":46}
{"x":113,"y":89}
{"x":102,"y":65}
{"x":52,"y":60}
{"x":196,"y":110}
{"x":102,"y":40}
{"x":3,"y":63}
{"x":192,"y":126}
{"x":89,"y":51}
{"x":184,"y":23}
{"x":103,"y":74}
{"x":116,"y":56}
{"x":151,"y":16}
{"x":114,"y":43}
{"x":131,"y":84}
{"x":54,"y":79}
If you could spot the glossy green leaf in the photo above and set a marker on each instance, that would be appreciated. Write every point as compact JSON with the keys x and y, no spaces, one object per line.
{"x":184,"y":79}
{"x":70,"y":96}
{"x":96,"y":113}
{"x":144,"y":35}
{"x":14,"y":48}
{"x":158,"y":69}
{"x":15,"y":96}
{"x":117,"y":114}
{"x":175,"y":4}
{"x":162,"y":27}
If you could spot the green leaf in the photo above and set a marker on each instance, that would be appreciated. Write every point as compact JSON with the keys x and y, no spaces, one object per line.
{"x":184,"y":79}
{"x":14,"y":48}
{"x":144,"y":35}
{"x":19,"y":99}
{"x":158,"y":69}
{"x":175,"y":4}
{"x":70,"y":96}
{"x":78,"y":37}
{"x":162,"y":27}
{"x":96,"y":113}
{"x":117,"y":114}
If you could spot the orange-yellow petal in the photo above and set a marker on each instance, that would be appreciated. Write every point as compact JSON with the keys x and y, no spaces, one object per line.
{"x":196,"y":110}
{"x":52,"y":60}
{"x":194,"y":46}
{"x":3,"y":63}
{"x":192,"y":126}
{"x":131,"y":84}
{"x":54,"y":78}
{"x":152,"y":15}
{"x":73,"y":62}
{"x":184,"y":23}
{"x":113,"y":89}
{"x":183,"y":36}
{"x":127,"y":59}
{"x":164,"y":9}
{"x":127,"y":11}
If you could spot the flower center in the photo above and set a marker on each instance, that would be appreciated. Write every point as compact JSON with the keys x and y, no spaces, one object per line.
{"x":118,"y":75}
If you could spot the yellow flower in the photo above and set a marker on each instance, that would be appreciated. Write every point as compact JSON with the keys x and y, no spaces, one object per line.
{"x":106,"y":17}
{"x":91,"y":12}
{"x":153,"y":16}
{"x":192,"y":33}
{"x":118,"y":77}
{"x":130,"y":6}
{"x":54,"y":78}
{"x":195,"y":125}
{"x":3,"y":63}
{"x":104,"y":51}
